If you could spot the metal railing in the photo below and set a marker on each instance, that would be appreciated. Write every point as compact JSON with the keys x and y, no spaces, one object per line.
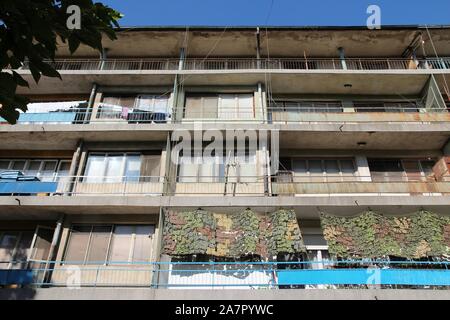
{"x":172,"y":64}
{"x":327,"y":274}
{"x":284,"y":183}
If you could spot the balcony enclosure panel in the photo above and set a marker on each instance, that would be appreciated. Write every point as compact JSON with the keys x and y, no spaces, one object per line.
{"x":109,"y":255}
{"x":121,"y":173}
{"x":221,"y":107}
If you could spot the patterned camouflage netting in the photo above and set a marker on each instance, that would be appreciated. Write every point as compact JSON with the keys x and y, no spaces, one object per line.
{"x":231,"y":235}
{"x":372,"y":235}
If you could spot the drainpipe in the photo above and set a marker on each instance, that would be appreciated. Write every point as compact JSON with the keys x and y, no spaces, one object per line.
{"x":52,"y":251}
{"x":258,"y":48}
{"x":342,"y":57}
{"x":90,"y":105}
{"x":175,"y":86}
{"x":103,"y":57}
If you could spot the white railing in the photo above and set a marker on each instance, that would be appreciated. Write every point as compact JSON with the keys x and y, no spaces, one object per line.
{"x":250,"y":63}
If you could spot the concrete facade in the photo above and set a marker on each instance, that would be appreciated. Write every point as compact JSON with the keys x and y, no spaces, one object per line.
{"x":391,"y":106}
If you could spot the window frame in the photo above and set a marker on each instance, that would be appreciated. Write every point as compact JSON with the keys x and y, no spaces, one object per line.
{"x":341,"y":175}
{"x":43,"y":161}
{"x":104,"y":178}
{"x":108,"y":251}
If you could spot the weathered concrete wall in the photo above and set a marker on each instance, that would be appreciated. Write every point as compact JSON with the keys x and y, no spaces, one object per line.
{"x":160,"y":294}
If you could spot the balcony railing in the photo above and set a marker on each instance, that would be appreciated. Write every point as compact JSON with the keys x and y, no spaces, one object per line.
{"x":284,"y":184}
{"x":328,"y":274}
{"x":172,"y":64}
{"x":289,"y":183}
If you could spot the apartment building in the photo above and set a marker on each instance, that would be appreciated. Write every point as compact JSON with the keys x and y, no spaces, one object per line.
{"x":330,"y":165}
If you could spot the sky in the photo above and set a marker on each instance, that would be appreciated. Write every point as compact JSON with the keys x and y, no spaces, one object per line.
{"x":278,"y":12}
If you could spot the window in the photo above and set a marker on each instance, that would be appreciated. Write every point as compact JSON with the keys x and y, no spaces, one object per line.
{"x":401,"y":170}
{"x":45,"y":170}
{"x":215,"y":168}
{"x":109,"y":244}
{"x":14,"y":247}
{"x":380,"y":106}
{"x":141,"y":108}
{"x":308,"y":106}
{"x":319,"y":170}
{"x":221,"y":106}
{"x":113,"y":167}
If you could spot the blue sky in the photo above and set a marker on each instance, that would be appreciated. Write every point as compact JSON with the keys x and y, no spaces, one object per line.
{"x":278,"y":12}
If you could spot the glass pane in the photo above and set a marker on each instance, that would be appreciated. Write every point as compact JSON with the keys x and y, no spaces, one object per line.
{"x":143,"y":243}
{"x":145,"y":103}
{"x":64,"y":169}
{"x":23,"y":249}
{"x":210,"y":107}
{"x":95,"y":169}
{"x":315,"y":167}
{"x":245,"y":106}
{"x":121,"y":243}
{"x":133,"y":168}
{"x":193,"y":107}
{"x":427,"y":167}
{"x":48,"y":170}
{"x":8,"y":241}
{"x":77,"y":246}
{"x":161,"y":105}
{"x":188,"y":169}
{"x":18,"y":165}
{"x":98,"y":246}
{"x":299,"y":166}
{"x":114,"y":168}
{"x":331,"y":167}
{"x":228,"y":106}
{"x":4,"y":165}
{"x":33,"y":168}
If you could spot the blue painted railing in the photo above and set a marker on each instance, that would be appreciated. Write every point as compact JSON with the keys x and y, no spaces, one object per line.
{"x":27,"y":187}
{"x":271,"y":275}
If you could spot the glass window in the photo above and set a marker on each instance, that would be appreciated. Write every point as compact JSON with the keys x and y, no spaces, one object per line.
{"x":132,"y":168}
{"x":315,"y":167}
{"x":121,"y":243}
{"x":143,"y":243}
{"x":98,"y":246}
{"x":19,"y":165}
{"x":4,"y":165}
{"x":95,"y":168}
{"x":115,"y":244}
{"x":113,"y":172}
{"x":8,"y":241}
{"x":78,"y":244}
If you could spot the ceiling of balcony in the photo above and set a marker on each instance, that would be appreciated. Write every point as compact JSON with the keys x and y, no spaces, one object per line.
{"x":283,"y":42}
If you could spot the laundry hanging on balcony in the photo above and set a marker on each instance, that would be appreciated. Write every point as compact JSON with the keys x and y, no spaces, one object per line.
{"x":231,"y":235}
{"x":372,"y":235}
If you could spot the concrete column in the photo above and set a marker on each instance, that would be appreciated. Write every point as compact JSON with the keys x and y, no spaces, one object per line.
{"x":88,"y":115}
{"x":73,"y":167}
{"x":96,"y":104}
{"x":363,"y":168}
{"x":342,"y":57}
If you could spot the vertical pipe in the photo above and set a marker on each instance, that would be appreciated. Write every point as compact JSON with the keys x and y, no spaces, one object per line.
{"x":342,"y":58}
{"x":258,"y":48}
